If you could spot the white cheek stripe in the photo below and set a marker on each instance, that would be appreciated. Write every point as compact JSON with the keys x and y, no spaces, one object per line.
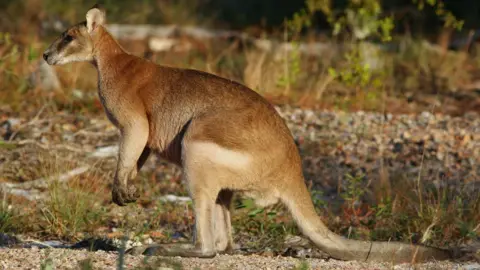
{"x":62,"y":59}
{"x":219,"y":155}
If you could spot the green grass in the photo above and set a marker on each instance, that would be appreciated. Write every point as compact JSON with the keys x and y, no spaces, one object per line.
{"x":73,"y":207}
{"x":303,"y":266}
{"x":7,"y":146}
{"x":434,"y":216}
{"x":266,"y":227}
{"x":7,"y":217}
{"x":47,"y":264}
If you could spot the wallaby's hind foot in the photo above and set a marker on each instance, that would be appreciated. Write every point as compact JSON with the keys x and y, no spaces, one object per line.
{"x":171,"y":250}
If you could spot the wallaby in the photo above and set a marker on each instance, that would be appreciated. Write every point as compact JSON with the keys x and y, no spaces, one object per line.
{"x":226,"y":137}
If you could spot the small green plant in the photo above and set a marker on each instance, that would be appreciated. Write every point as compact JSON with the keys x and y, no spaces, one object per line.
{"x":47,"y":264}
{"x":354,"y":190}
{"x":356,"y":74}
{"x":317,"y":201}
{"x":363,"y":19}
{"x":450,"y":20}
{"x":291,"y":72}
{"x":6,"y":216}
{"x":86,"y":264}
{"x":303,"y":265}
{"x":269,"y":225}
{"x":9,"y":57}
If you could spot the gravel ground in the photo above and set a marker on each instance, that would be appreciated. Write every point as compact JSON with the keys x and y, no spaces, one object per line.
{"x":334,"y":143}
{"x":71,"y":259}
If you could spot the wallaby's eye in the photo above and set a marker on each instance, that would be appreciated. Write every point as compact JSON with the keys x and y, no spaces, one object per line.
{"x":68,"y":38}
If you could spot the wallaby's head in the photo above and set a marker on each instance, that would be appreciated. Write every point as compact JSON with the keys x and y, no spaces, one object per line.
{"x":76,"y":43}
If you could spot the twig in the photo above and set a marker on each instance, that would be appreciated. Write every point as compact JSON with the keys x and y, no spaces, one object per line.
{"x":31,"y":122}
{"x":90,"y":133}
{"x":31,"y":195}
{"x":477,"y":227}
{"x":43,"y":182}
{"x":86,"y":131}
{"x":174,"y":198}
{"x":50,"y":147}
{"x":38,"y":243}
{"x":428,"y":231}
{"x":107,"y":151}
{"x":31,"y":141}
{"x":69,"y":148}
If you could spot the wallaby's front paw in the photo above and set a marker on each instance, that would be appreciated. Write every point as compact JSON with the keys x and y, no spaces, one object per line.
{"x":121,"y":196}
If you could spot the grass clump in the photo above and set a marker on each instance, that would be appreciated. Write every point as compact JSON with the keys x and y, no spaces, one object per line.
{"x":6,"y":216}
{"x":303,"y":265}
{"x":15,"y":214}
{"x":73,"y":207}
{"x":69,"y":211}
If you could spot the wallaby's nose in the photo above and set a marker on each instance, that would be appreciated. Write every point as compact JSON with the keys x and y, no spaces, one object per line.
{"x":45,"y":56}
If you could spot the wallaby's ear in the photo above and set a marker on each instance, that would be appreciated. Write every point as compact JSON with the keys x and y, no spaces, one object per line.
{"x":95,"y":17}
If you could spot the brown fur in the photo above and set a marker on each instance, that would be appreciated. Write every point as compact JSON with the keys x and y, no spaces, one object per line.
{"x":226,"y":137}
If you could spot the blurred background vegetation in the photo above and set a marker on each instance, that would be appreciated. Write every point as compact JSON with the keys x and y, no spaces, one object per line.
{"x":237,"y":14}
{"x":400,"y":55}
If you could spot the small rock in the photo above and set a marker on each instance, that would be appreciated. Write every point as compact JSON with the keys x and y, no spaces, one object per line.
{"x":107,"y":151}
{"x":7,"y":240}
{"x":268,"y":253}
{"x":96,"y":244}
{"x":174,"y":198}
{"x":148,"y":241}
{"x":474,"y":266}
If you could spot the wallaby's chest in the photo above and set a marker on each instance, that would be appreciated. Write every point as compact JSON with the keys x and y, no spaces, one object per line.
{"x":109,"y":103}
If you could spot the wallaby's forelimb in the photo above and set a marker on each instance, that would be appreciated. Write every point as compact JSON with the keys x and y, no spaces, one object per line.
{"x":132,"y":143}
{"x":141,"y":161}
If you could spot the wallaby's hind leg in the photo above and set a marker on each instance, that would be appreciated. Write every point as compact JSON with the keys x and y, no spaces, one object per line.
{"x":222,"y":234}
{"x":203,"y":246}
{"x":204,"y":196}
{"x":222,"y":222}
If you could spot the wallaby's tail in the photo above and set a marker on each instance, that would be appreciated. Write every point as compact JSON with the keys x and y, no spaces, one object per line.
{"x":301,"y":207}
